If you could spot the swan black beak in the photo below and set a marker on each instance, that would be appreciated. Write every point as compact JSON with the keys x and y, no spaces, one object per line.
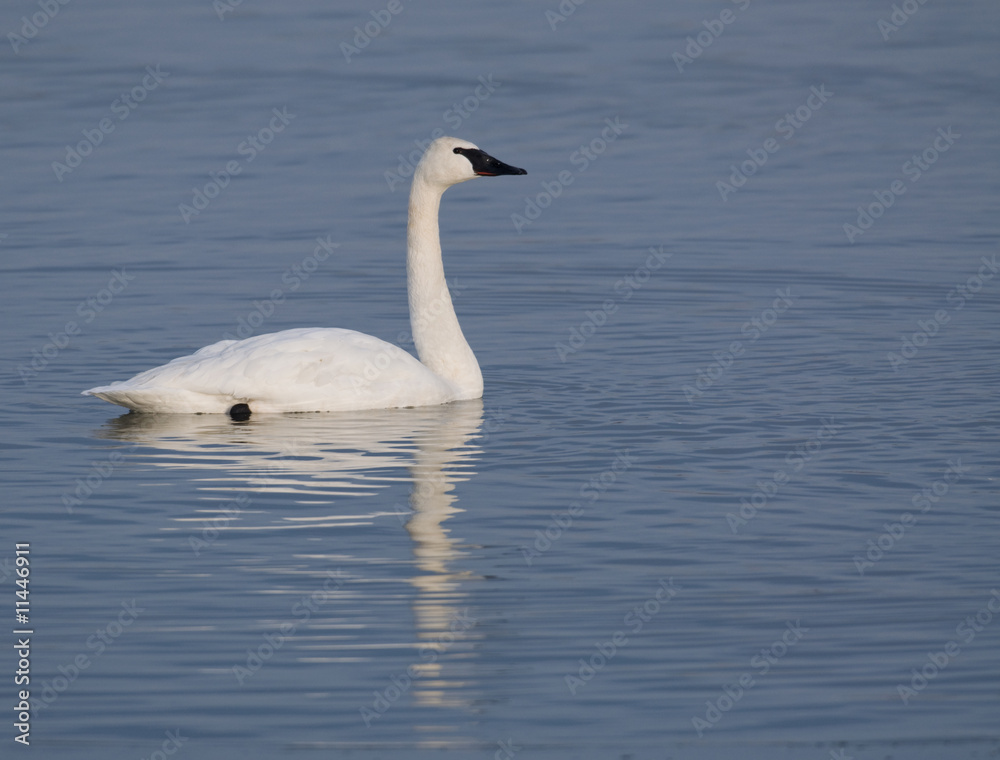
{"x":484,"y":165}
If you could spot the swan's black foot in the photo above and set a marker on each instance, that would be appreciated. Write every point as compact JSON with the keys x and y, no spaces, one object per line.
{"x":239,"y":412}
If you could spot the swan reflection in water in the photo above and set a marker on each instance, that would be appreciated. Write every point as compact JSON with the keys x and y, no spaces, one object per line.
{"x":321,"y":459}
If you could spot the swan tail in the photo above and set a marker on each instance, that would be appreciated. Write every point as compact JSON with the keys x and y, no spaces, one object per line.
{"x":158,"y":400}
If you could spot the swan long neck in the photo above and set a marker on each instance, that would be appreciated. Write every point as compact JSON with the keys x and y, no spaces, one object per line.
{"x":438,"y":337}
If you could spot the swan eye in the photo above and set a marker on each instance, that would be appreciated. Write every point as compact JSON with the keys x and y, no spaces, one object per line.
{"x":457,"y":150}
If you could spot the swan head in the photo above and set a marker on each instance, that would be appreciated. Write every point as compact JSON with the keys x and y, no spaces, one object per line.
{"x":449,"y":161}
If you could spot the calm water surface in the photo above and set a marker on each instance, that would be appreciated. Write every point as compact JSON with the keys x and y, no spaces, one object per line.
{"x":731,"y":491}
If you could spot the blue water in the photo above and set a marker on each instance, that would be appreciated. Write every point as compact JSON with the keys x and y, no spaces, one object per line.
{"x":731,"y":490}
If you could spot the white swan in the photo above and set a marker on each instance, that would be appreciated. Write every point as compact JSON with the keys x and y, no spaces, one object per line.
{"x":317,"y":369}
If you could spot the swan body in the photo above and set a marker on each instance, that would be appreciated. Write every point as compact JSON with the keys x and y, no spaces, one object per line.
{"x":316,"y":369}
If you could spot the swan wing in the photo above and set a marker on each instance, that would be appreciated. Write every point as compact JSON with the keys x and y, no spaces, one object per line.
{"x":301,"y":370}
